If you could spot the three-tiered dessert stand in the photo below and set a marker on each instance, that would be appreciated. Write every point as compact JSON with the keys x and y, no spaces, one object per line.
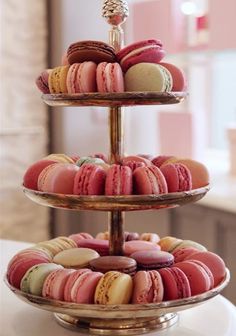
{"x":126,"y":319}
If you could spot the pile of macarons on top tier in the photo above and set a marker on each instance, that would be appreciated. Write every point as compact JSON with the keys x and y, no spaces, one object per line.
{"x":79,"y":269}
{"x":135,"y":175}
{"x":93,"y":66}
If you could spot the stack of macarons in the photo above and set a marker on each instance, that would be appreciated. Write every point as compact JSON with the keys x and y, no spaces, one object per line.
{"x":93,"y":66}
{"x":135,"y":175}
{"x":79,"y":269}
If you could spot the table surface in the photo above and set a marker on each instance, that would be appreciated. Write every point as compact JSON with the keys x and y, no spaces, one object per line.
{"x":215,"y":317}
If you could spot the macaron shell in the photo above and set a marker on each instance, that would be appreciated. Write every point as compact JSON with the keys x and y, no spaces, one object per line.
{"x":54,"y":284}
{"x":99,"y":245}
{"x":214,"y":262}
{"x":179,"y":80}
{"x":58,"y":178}
{"x":114,"y":288}
{"x":152,"y":259}
{"x":148,"y":287}
{"x":183,"y":253}
{"x":149,"y":180}
{"x":95,"y":51}
{"x":89,"y":180}
{"x":148,"y":77}
{"x":139,"y":245}
{"x":118,"y":180}
{"x":84,"y":287}
{"x":114,"y":263}
{"x":178,"y":177}
{"x":75,"y":257}
{"x":197,"y":276}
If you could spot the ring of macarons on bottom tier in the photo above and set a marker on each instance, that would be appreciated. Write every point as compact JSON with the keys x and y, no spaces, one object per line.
{"x":94,"y":66}
{"x":79,"y":269}
{"x":135,"y":175}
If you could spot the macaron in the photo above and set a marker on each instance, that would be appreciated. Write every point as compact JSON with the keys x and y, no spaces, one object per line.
{"x":148,"y":77}
{"x":199,"y":172}
{"x":30,"y":179}
{"x":136,"y":159}
{"x":214,"y":262}
{"x":59,"y":157}
{"x":42,"y":81}
{"x":178,"y":177}
{"x":57,"y":79}
{"x":152,"y":259}
{"x":150,"y":51}
{"x":178,"y":77}
{"x":81,"y":78}
{"x":33,"y":280}
{"x":118,"y":180}
{"x":89,"y":180}
{"x":114,"y":288}
{"x":114,"y":263}
{"x":161,"y":159}
{"x":77,"y":257}
{"x":82,"y":287}
{"x":81,"y":235}
{"x":21,"y":263}
{"x":58,"y":178}
{"x":198,"y":277}
{"x":71,"y":281}
{"x":99,"y":245}
{"x":95,"y":51}
{"x":56,"y":245}
{"x":183,"y":253}
{"x":131,"y":236}
{"x":189,"y":243}
{"x":149,"y":180}
{"x":176,"y":283}
{"x":92,"y":160}
{"x":139,"y":245}
{"x":109,"y":77}
{"x":54,"y":284}
{"x":169,"y":243}
{"x":148,"y":287}
{"x":151,"y":237}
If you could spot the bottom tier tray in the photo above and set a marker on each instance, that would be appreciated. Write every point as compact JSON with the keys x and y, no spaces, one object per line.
{"x":129,"y":319}
{"x":122,"y":203}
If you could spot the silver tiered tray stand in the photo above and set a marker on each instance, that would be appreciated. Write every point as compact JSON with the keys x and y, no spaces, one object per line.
{"x":128,"y":319}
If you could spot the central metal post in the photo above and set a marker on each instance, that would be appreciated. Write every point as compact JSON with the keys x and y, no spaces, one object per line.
{"x":116,"y":12}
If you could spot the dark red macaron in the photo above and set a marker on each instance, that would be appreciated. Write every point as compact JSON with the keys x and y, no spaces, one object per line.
{"x":114,"y":263}
{"x":95,"y":51}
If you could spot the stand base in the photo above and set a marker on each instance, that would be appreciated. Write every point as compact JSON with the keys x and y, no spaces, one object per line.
{"x":116,"y":326}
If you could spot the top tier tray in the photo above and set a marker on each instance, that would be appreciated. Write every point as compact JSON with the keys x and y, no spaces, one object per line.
{"x":114,"y":99}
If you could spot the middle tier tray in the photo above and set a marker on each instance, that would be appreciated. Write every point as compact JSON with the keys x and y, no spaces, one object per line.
{"x":114,"y":99}
{"x":121,"y":203}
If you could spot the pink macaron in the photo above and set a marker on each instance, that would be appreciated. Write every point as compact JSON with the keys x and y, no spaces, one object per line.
{"x":160,"y":159}
{"x":133,"y":246}
{"x":178,"y":77}
{"x":148,"y":287}
{"x":89,"y":180}
{"x":149,"y":180}
{"x":54,"y":284}
{"x":58,"y":178}
{"x":118,"y":180}
{"x":136,"y":159}
{"x":99,"y":245}
{"x":20,"y":264}
{"x":214,"y":262}
{"x":81,"y":78}
{"x":30,"y":179}
{"x":76,"y":237}
{"x":178,"y":177}
{"x":183,"y":253}
{"x":42,"y":81}
{"x":109,"y":77}
{"x":198,"y":277}
{"x":149,"y":51}
{"x":175,"y":282}
{"x":80,"y":286}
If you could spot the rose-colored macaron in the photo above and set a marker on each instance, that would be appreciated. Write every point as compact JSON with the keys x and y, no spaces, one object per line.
{"x":109,"y":77}
{"x":89,"y":180}
{"x":139,"y":245}
{"x":118,"y":180}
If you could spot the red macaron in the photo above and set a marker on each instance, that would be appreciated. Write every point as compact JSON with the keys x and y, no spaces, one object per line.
{"x":89,"y":180}
{"x":118,"y":180}
{"x":178,"y":177}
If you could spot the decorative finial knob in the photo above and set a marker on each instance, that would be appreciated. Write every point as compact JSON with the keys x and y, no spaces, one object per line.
{"x":115,"y":11}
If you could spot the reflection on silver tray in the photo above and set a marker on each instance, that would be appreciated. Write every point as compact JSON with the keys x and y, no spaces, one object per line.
{"x":122,"y":203}
{"x":114,"y":99}
{"x":118,"y":317}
